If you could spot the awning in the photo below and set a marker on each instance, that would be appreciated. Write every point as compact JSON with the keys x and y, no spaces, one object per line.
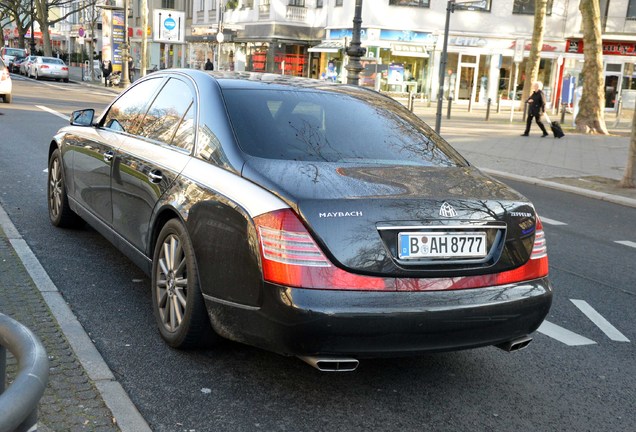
{"x":329,"y":46}
{"x":405,"y":50}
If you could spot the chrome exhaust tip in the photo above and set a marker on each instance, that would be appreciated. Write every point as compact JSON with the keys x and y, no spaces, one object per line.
{"x":331,"y":364}
{"x":515,"y":344}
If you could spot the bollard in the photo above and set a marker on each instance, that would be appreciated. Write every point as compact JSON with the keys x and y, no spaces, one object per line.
{"x":470,"y":105}
{"x":619,"y":107}
{"x":412,"y":102}
{"x":498,"y":103}
{"x":450,"y":104}
{"x":488,"y":109}
{"x":563,"y":106}
{"x":19,"y":402}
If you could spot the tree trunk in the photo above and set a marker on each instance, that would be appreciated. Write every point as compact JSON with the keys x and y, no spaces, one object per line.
{"x":629,"y":178}
{"x":43,"y":19}
{"x":591,"y":117}
{"x":532,"y":67}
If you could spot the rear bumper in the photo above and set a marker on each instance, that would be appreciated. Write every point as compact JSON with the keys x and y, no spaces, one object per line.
{"x":296,"y":321}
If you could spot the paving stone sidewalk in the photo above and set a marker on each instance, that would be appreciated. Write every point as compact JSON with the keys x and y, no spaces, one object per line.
{"x":70,"y":402}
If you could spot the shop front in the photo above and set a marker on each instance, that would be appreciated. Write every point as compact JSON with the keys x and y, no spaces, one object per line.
{"x":478,"y":69}
{"x":619,"y":57}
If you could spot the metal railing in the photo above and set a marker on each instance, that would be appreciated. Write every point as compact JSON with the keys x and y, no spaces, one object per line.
{"x":19,"y":403}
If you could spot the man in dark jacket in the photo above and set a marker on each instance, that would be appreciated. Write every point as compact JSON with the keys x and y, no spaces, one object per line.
{"x":536,"y":108}
{"x":107,"y":69}
{"x":209,"y":65}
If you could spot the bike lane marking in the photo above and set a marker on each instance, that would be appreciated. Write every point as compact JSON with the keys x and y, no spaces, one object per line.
{"x":563,"y":335}
{"x":605,"y":326}
{"x":551,"y":221}
{"x":626,"y":243}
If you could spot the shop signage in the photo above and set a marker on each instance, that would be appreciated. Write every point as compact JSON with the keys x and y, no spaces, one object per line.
{"x":405,"y":50}
{"x":346,"y":33}
{"x":468,"y":41}
{"x":575,"y":46}
{"x":407,"y":36}
{"x":528,"y":47}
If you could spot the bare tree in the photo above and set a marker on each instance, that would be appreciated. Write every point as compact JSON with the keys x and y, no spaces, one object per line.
{"x":18,"y":12}
{"x":591,"y":117}
{"x":42,"y":17}
{"x":629,"y":178}
{"x":534,"y":60}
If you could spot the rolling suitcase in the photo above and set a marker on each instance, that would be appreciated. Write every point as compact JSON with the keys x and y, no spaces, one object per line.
{"x":556,"y":127}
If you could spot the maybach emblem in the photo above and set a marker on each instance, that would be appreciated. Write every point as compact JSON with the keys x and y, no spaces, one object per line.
{"x":447,"y":210}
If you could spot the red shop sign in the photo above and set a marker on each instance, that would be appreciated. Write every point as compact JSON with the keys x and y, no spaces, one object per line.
{"x":609,"y":47}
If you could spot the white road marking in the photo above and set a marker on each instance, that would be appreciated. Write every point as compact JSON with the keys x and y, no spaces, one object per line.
{"x":563,"y":335}
{"x":551,"y":221}
{"x":626,"y":243}
{"x":600,"y":322}
{"x":49,"y":110}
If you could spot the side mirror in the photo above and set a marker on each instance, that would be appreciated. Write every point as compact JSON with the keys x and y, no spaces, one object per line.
{"x":83,"y":117}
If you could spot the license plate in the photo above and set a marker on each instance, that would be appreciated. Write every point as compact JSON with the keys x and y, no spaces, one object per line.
{"x":415,"y":245}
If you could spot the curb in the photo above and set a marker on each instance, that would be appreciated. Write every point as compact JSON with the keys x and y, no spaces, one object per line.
{"x":615,"y":199}
{"x":127,"y":416}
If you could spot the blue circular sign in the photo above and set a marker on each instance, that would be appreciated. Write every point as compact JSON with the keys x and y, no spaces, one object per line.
{"x":170,"y":23}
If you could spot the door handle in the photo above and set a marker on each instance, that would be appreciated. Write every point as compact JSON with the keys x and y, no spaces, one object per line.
{"x":108,"y":156}
{"x":155,"y":176}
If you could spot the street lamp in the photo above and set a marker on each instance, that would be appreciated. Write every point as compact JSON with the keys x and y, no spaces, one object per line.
{"x":354,"y":50}
{"x":125,"y":51}
{"x":451,"y":7}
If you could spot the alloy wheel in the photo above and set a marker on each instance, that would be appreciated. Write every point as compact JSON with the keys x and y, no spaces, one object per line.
{"x":172,"y":283}
{"x":56,"y":188}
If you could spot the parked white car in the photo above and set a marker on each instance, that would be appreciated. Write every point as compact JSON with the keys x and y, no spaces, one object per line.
{"x":5,"y":82}
{"x":48,"y":67}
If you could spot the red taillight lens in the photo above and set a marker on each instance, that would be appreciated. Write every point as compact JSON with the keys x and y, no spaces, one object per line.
{"x":4,"y":75}
{"x":64,"y":68}
{"x":291,"y":257}
{"x":44,"y":67}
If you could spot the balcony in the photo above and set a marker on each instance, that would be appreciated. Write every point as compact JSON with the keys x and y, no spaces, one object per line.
{"x":296,"y":13}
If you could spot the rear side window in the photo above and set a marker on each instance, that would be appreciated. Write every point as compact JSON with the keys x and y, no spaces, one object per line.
{"x":335,"y":126}
{"x":128,"y":110}
{"x":170,"y":118}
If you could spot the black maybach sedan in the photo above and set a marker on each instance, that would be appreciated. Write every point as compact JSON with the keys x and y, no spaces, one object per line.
{"x":308,"y":218}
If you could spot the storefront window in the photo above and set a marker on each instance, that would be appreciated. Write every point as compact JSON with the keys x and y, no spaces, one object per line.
{"x":526,"y":7}
{"x":415,"y":3}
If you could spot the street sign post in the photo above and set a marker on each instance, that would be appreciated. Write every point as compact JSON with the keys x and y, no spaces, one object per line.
{"x":518,"y":58}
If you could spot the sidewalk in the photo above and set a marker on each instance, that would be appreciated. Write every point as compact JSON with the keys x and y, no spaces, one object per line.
{"x":82,"y":394}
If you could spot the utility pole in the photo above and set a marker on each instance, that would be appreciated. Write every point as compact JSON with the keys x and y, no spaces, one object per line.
{"x":143,"y":66}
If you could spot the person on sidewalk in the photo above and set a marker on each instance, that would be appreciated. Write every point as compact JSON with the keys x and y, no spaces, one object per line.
{"x":107,"y":69}
{"x":536,"y":108}
{"x":209,"y":65}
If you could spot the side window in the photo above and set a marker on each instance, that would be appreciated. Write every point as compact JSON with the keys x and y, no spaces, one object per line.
{"x":170,"y":118}
{"x":126,"y":112}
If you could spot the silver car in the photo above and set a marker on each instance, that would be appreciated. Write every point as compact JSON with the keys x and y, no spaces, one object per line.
{"x":26,"y":64}
{"x":48,"y":67}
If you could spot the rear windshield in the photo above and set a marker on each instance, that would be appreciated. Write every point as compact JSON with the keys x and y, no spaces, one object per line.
{"x":52,"y":60}
{"x":311,"y":125}
{"x":15,"y":52}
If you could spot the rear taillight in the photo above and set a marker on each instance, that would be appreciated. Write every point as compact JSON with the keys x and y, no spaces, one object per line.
{"x":44,"y":67}
{"x":291,"y":257}
{"x":64,"y":68}
{"x":4,"y":75}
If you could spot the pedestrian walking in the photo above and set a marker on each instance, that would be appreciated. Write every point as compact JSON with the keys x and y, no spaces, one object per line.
{"x":107,"y":69}
{"x":536,"y":108}
{"x":209,"y":65}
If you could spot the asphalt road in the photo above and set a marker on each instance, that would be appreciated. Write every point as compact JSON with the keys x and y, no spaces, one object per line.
{"x":561,"y":382}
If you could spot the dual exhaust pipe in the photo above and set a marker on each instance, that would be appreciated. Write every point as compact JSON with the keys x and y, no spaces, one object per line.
{"x":346,"y":364}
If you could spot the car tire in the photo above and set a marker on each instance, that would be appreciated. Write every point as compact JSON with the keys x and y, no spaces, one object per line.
{"x":35,"y":75}
{"x":177,"y":301}
{"x":60,"y":213}
{"x":65,"y":80}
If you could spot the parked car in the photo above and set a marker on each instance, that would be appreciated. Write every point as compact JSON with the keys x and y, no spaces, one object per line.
{"x":6,"y":86}
{"x":26,"y":64}
{"x":15,"y":66}
{"x":313,"y":219}
{"x":48,"y":67}
{"x":8,"y":54}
